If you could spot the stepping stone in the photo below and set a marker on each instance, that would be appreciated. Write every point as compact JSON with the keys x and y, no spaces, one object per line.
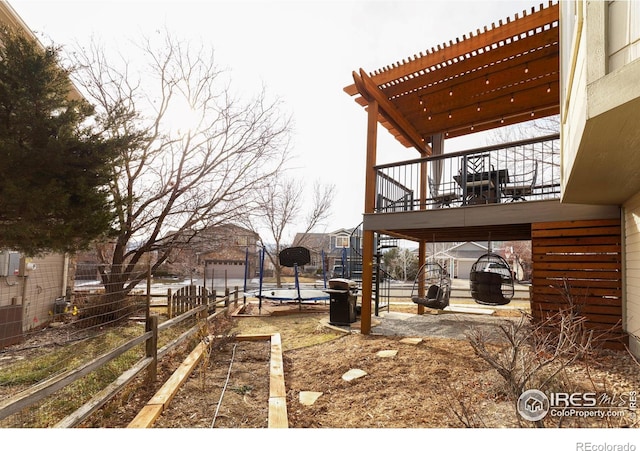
{"x":411,"y":341}
{"x":387,"y":353}
{"x":307,"y":398}
{"x":353,"y":374}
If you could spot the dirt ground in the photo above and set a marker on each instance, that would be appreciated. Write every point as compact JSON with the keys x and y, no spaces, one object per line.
{"x":427,"y":383}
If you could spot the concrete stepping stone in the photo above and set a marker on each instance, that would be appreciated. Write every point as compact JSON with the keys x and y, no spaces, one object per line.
{"x":411,"y":341}
{"x":387,"y":353}
{"x":307,"y":398}
{"x":353,"y":374}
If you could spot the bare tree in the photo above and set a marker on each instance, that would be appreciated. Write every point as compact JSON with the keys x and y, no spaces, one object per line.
{"x":177,"y":177}
{"x":524,"y":156}
{"x":281,"y":205}
{"x":518,"y":255}
{"x":401,"y":263}
{"x":524,"y":130}
{"x":533,"y":352}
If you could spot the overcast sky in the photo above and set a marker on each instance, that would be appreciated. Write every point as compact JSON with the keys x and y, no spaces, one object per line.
{"x":303,"y":52}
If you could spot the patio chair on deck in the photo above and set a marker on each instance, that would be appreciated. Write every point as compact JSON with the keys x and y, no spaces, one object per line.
{"x":480,"y":182}
{"x":442,"y":197}
{"x":521,"y":185}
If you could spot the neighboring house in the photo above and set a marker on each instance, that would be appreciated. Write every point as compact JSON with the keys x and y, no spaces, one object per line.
{"x":225,"y":251}
{"x":29,"y":287}
{"x":456,"y":258}
{"x":217,"y":253}
{"x":318,"y":245}
{"x":600,"y":127}
{"x":333,"y":246}
{"x":464,"y":255}
{"x":563,"y":192}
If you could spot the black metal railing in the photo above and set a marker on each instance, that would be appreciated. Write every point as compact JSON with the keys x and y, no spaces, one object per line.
{"x":511,"y":172}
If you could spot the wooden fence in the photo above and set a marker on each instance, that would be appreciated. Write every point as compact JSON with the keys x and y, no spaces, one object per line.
{"x":149,"y":363}
{"x":189,"y":297}
{"x":580,"y":262}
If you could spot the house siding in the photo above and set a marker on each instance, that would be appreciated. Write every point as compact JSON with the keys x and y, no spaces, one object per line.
{"x":43,"y":286}
{"x":632,"y":269}
{"x":34,"y":289}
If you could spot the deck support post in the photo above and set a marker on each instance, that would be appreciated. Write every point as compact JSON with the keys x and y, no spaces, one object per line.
{"x":368,"y":241}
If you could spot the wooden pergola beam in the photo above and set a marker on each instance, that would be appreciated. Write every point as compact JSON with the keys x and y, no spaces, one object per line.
{"x":370,"y":91}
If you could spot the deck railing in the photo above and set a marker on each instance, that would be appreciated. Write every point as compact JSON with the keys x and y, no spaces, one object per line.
{"x":510,"y":172}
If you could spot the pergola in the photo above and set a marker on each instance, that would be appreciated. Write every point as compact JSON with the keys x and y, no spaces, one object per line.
{"x":504,"y":74}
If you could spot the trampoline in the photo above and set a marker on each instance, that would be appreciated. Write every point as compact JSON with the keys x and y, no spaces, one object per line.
{"x":291,"y":294}
{"x":290,"y":257}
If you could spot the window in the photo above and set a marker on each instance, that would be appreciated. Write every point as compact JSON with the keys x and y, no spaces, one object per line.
{"x":243,"y":240}
{"x":342,"y":241}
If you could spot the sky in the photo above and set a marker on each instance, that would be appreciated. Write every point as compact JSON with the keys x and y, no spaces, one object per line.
{"x":303,"y":52}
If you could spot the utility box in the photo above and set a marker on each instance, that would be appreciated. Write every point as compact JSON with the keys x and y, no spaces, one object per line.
{"x":9,"y":263}
{"x":343,"y":294}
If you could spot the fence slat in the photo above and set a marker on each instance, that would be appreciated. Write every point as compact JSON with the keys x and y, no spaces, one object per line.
{"x":104,"y":395}
{"x":45,"y":388}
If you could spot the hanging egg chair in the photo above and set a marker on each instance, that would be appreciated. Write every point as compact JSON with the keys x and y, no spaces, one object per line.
{"x":491,"y":280}
{"x":437,"y":286}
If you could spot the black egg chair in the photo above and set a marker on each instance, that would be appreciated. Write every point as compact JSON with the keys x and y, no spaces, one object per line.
{"x":491,"y":280}
{"x":437,"y":285}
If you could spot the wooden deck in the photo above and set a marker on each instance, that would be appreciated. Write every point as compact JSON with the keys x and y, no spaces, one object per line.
{"x":510,"y":221}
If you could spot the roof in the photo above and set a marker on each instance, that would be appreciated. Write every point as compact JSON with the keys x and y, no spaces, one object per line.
{"x":501,"y":75}
{"x":12,"y":20}
{"x":468,"y":246}
{"x":312,"y":241}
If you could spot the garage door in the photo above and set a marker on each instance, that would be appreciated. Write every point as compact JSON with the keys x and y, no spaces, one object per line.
{"x":464,"y":268}
{"x":234,"y":269}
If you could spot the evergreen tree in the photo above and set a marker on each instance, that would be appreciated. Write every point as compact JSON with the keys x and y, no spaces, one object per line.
{"x":54,"y":174}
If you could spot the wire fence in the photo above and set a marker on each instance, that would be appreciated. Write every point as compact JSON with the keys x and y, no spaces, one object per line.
{"x":46,"y":294}
{"x":58,"y":320}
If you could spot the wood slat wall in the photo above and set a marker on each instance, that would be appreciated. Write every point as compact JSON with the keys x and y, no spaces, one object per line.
{"x":587,"y":257}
